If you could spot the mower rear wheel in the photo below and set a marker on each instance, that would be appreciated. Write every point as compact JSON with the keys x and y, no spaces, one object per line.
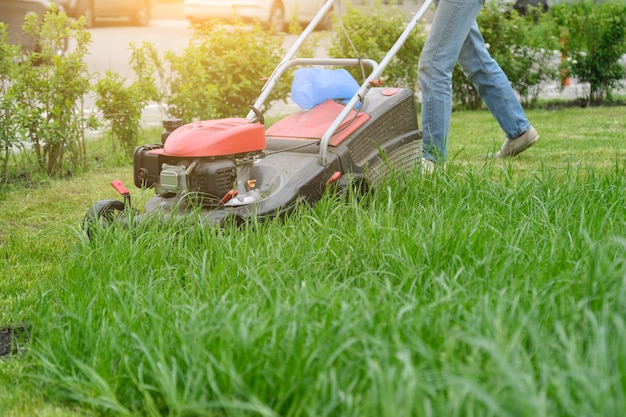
{"x":102,"y":214}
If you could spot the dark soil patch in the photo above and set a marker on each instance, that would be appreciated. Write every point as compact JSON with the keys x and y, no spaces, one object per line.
{"x":13,"y":339}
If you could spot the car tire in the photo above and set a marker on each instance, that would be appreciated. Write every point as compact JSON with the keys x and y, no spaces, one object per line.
{"x":327,"y":22}
{"x":276,"y":21}
{"x":85,"y":8}
{"x":141,"y":16}
{"x":522,"y":5}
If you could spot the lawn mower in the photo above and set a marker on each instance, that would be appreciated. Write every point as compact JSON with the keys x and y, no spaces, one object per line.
{"x":235,"y":168}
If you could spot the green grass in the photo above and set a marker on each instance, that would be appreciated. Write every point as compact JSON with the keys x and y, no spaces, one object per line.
{"x":494,"y":288}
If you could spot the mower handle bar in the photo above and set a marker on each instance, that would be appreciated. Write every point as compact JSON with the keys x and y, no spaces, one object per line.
{"x":288,"y":61}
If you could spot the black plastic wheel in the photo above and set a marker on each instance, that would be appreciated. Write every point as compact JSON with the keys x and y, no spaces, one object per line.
{"x":101,"y":214}
{"x":352,"y":186}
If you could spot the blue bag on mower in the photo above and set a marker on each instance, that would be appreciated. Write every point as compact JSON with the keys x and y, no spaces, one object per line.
{"x":313,"y":86}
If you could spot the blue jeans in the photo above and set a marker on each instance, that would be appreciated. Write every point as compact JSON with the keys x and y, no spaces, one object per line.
{"x":454,"y":36}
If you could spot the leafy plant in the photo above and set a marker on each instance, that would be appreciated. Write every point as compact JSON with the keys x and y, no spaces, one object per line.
{"x":10,"y":134}
{"x":372,"y":34}
{"x":231,"y":62}
{"x":594,"y":41}
{"x":121,"y":104}
{"x":191,"y":92}
{"x":523,"y":47}
{"x":49,"y":90}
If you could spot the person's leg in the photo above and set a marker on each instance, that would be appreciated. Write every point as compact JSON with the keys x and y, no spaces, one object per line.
{"x":450,"y":28}
{"x":492,"y":85}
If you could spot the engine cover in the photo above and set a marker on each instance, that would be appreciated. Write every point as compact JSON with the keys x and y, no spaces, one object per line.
{"x":232,"y":136}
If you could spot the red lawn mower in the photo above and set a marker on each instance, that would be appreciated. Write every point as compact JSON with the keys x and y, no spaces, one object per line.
{"x":235,"y":168}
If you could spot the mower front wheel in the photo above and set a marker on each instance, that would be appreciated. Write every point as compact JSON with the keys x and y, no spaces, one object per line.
{"x":102,"y":214}
{"x":353,"y":186}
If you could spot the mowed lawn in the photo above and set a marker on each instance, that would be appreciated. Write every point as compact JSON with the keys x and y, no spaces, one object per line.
{"x":494,"y":288}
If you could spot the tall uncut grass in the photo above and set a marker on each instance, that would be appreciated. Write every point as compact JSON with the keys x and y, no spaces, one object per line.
{"x":479,"y":291}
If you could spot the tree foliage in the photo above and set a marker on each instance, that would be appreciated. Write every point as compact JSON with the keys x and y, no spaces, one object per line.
{"x":372,"y":33}
{"x":594,"y":41}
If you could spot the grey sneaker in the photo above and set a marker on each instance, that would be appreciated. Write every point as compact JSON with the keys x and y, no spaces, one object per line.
{"x":428,"y":166}
{"x":512,"y":147}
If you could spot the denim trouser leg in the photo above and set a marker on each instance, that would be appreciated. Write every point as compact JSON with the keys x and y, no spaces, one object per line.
{"x":492,"y":85}
{"x":454,"y":35}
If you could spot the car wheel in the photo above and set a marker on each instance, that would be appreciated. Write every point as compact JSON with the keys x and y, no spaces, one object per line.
{"x":326,"y":22}
{"x":85,"y":8}
{"x":522,"y":5}
{"x":141,"y":17}
{"x":276,"y":21}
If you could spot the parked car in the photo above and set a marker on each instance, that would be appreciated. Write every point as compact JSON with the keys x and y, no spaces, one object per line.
{"x":274,"y":14}
{"x":13,"y":13}
{"x":137,"y":10}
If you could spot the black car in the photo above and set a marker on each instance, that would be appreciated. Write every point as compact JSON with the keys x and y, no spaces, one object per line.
{"x":137,"y":10}
{"x":13,"y":13}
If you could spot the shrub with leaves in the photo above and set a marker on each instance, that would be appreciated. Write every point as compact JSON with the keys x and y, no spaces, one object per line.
{"x":121,"y":103}
{"x":227,"y":62}
{"x":192,"y":93}
{"x":524,"y":48}
{"x":9,"y":122}
{"x":49,"y":90}
{"x":372,"y":33}
{"x":121,"y":106}
{"x":594,"y":42}
{"x":219,"y":74}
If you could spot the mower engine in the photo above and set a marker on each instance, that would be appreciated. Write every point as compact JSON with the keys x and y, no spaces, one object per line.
{"x":207,"y":162}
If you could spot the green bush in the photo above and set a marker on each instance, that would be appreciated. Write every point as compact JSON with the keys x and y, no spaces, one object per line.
{"x":372,"y":34}
{"x":9,"y":123}
{"x":121,"y":103}
{"x":594,"y":41}
{"x":523,"y":47}
{"x":220,"y":73}
{"x":191,"y":93}
{"x":48,"y":91}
